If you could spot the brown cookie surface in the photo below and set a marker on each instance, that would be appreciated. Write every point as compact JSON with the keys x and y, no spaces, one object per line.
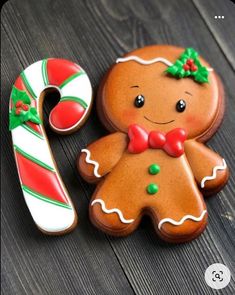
{"x":154,"y":163}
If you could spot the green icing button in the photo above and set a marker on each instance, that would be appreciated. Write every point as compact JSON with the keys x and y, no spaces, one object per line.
{"x":152,"y":188}
{"x":154,"y":169}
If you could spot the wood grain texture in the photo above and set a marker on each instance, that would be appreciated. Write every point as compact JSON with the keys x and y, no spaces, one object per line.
{"x":226,"y":41}
{"x":94,"y":34}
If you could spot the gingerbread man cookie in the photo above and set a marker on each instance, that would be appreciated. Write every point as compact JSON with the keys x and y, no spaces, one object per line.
{"x":161,"y":103}
{"x":44,"y":192}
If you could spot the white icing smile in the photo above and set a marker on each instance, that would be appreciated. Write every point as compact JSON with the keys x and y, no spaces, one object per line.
{"x":109,"y":211}
{"x":182,"y":220}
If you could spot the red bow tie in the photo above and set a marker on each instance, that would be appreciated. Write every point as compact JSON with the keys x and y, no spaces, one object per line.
{"x":171,"y":142}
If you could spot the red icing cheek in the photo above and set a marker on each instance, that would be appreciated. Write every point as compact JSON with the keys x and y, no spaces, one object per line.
{"x":130,"y":115}
{"x":193,"y":121}
{"x":190,"y":119}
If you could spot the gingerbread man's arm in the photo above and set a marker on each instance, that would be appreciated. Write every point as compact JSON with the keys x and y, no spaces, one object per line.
{"x":209,"y":169}
{"x":101,"y":156}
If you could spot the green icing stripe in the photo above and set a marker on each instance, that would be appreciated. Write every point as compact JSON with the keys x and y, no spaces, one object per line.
{"x":32,"y":131}
{"x":70,"y":79}
{"x":26,"y":82}
{"x":44,"y":198}
{"x":19,"y":150}
{"x":44,"y":72}
{"x":76,"y":99}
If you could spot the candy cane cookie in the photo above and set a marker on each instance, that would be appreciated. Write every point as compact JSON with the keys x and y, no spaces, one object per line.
{"x":43,"y":189}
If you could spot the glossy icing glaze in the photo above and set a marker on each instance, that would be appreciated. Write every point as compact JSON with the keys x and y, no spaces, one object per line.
{"x":159,"y":119}
{"x":214,"y":173}
{"x":43,"y":189}
{"x":89,"y":161}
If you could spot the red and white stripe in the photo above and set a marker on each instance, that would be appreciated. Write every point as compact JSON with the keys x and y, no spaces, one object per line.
{"x":43,"y":189}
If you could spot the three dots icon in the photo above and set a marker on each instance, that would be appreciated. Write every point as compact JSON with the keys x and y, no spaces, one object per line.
{"x":219,"y":16}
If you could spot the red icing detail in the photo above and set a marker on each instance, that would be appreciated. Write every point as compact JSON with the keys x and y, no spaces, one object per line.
{"x":190,"y":61}
{"x":66,"y":114}
{"x":138,"y":139}
{"x":19,"y":84}
{"x":174,"y":142}
{"x":40,"y":179}
{"x":58,"y":70}
{"x":19,"y":103}
{"x":171,"y":143}
{"x":193,"y":68}
{"x":186,"y":67}
{"x":18,"y":111}
{"x":34,"y":126}
{"x":25,"y":107}
{"x":156,"y":139}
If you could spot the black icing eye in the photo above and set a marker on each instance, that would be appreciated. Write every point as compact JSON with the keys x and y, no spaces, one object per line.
{"x":180,"y":106}
{"x":139,"y":101}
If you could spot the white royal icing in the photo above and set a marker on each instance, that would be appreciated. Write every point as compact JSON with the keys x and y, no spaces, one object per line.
{"x":144,"y":61}
{"x":79,"y":87}
{"x":89,"y":161}
{"x":149,"y":61}
{"x":182,"y":220}
{"x":213,"y":176}
{"x":33,"y":74}
{"x":109,"y":211}
{"x":49,"y":217}
{"x":32,"y":145}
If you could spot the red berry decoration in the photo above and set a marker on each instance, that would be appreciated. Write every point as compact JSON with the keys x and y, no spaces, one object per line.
{"x":25,"y":107}
{"x":193,"y":68}
{"x":189,"y":65}
{"x":190,"y":61}
{"x":18,"y":111}
{"x":186,"y":67}
{"x":19,"y":103}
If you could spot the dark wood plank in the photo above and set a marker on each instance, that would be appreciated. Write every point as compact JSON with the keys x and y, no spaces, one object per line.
{"x":94,"y":33}
{"x":222,"y":29}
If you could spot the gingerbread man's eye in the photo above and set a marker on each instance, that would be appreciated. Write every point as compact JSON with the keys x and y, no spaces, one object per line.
{"x":139,"y":101}
{"x":180,"y":106}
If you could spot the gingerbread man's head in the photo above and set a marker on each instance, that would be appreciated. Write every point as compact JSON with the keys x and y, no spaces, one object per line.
{"x":162,"y":87}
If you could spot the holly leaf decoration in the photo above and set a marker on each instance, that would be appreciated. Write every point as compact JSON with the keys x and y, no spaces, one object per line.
{"x":22,"y":111}
{"x":18,"y":95}
{"x":14,"y":121}
{"x":189,"y":65}
{"x":33,"y":116}
{"x":201,"y":76}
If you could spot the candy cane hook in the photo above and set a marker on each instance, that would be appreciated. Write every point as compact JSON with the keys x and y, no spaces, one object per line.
{"x":43,"y":189}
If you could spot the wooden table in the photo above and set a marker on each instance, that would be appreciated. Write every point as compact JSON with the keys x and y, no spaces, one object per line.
{"x":94,"y":34}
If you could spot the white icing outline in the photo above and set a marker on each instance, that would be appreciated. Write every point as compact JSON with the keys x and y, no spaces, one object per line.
{"x":150,"y":61}
{"x":89,"y":161}
{"x":144,"y":61}
{"x":182,"y":220}
{"x":49,"y":217}
{"x":213,"y":176}
{"x":114,"y":210}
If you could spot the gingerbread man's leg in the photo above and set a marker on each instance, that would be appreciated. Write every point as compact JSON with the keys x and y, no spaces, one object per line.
{"x":183,"y":219}
{"x":111,"y":211}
